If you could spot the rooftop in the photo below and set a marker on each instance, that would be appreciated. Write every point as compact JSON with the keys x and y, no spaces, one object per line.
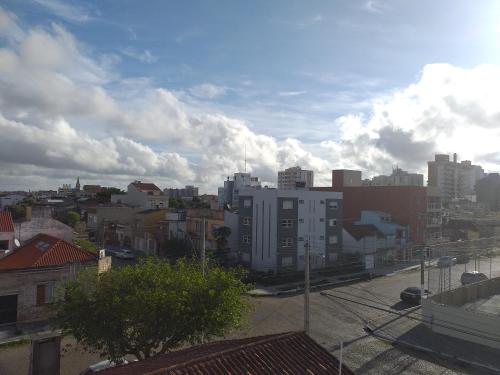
{"x":283,"y":353}
{"x":145,"y":186}
{"x":6,"y":223}
{"x":44,"y":250}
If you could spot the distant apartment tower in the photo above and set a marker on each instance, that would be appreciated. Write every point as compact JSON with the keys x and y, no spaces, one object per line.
{"x":398,"y":177}
{"x":345,"y":177}
{"x":189,"y":191}
{"x":229,"y":193}
{"x":295,"y":178}
{"x":453,"y":179}
{"x":275,"y":226}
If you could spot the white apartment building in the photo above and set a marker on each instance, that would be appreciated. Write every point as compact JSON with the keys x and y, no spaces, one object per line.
{"x":275,"y":226}
{"x":453,"y":179}
{"x":398,"y":177}
{"x":142,"y":195}
{"x":295,"y":178}
{"x":229,"y":193}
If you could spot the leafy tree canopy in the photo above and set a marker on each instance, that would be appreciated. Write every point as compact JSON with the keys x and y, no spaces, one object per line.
{"x":72,"y":218}
{"x":87,"y":245}
{"x":105,"y":195}
{"x":152,"y":307}
{"x":221,"y":234}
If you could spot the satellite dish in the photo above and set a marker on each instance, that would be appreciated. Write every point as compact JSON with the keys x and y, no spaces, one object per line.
{"x":16,"y":242}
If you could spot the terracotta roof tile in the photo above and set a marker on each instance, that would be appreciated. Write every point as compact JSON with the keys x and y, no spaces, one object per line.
{"x":284,"y":353}
{"x":6,"y":223}
{"x":44,"y":250}
{"x":143,"y":186}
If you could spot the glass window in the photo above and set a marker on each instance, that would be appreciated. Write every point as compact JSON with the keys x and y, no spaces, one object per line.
{"x":321,"y":220}
{"x":333,"y":240}
{"x":333,"y":205}
{"x":301,"y":201}
{"x":287,"y":261}
{"x":247,"y":203}
{"x":287,"y":223}
{"x":332,"y":222}
{"x":247,"y":220}
{"x":287,"y":205}
{"x":246,"y":239}
{"x":287,"y":242}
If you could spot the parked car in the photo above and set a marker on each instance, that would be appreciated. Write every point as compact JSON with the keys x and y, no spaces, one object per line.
{"x":101,"y":366}
{"x":446,"y":261}
{"x":472,"y":277}
{"x":125,"y":254}
{"x":463,"y":258}
{"x":412,"y":295}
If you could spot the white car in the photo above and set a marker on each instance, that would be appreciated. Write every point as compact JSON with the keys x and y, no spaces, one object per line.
{"x":125,"y":254}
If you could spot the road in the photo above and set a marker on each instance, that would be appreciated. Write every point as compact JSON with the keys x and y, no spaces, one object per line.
{"x":333,"y":320}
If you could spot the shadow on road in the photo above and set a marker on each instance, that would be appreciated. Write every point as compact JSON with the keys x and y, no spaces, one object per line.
{"x":401,"y":305}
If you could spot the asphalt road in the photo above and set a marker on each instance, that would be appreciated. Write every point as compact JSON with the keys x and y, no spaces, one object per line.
{"x":332,"y":320}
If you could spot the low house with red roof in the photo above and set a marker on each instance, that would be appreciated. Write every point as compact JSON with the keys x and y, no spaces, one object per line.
{"x":282,"y":353}
{"x":30,"y":274}
{"x":145,"y":195}
{"x":7,"y":234}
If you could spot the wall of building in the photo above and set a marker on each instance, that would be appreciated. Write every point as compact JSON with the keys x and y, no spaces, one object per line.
{"x":345,"y":177}
{"x":26,"y":230}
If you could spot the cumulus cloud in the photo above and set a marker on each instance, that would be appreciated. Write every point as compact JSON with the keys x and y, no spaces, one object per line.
{"x":207,"y":91}
{"x":59,"y":115}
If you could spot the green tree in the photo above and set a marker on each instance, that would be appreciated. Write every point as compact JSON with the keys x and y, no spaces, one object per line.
{"x":105,"y":195}
{"x":221,"y":234}
{"x":72,"y":218}
{"x":151,"y":307}
{"x":176,"y":203}
{"x":18,"y":211}
{"x":87,"y":245}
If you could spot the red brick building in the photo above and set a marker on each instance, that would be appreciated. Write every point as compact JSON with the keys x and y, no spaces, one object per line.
{"x":408,"y":205}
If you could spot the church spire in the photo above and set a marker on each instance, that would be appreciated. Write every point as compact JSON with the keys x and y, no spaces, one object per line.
{"x":77,"y":186}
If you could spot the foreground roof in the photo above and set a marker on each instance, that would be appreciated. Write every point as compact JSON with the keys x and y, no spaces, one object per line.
{"x":44,"y":250}
{"x":284,"y":353}
{"x":6,"y":223}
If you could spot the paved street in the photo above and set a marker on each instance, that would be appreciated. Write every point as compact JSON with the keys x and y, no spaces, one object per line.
{"x":332,"y":320}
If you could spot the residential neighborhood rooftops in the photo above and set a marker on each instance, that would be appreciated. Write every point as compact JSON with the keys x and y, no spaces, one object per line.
{"x":283,"y":353}
{"x":44,"y":250}
{"x":6,"y":223}
{"x":145,"y":186}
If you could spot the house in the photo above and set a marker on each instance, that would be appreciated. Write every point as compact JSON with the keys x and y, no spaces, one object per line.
{"x":143,"y":195}
{"x":30,"y":275}
{"x":7,"y":234}
{"x":146,"y":230}
{"x":275,"y":227}
{"x":194,"y":224}
{"x":26,"y":230}
{"x":375,"y":238}
{"x":282,"y":353}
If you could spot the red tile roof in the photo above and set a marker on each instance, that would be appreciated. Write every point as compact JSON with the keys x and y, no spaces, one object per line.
{"x":142,"y":186}
{"x":284,"y":353}
{"x":6,"y":223}
{"x":44,"y":250}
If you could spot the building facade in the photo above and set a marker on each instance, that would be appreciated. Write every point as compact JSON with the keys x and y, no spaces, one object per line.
{"x":453,"y":179}
{"x":295,"y":178}
{"x":275,"y":226}
{"x":7,"y":234}
{"x":188,"y":192}
{"x":228,"y":195}
{"x":398,"y":177}
{"x":143,"y":195}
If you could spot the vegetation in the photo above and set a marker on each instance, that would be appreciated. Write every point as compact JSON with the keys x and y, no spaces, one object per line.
{"x":178,"y":203}
{"x":221,"y":234}
{"x":72,"y":218}
{"x":105,"y":196}
{"x":87,"y":245}
{"x":177,"y":248}
{"x":18,"y":211}
{"x":152,"y":307}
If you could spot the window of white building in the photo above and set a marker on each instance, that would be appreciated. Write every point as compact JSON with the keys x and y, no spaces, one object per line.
{"x":333,"y":205}
{"x":287,"y":242}
{"x":247,"y":203}
{"x":287,"y":261}
{"x":246,"y":239}
{"x":287,"y":205}
{"x":247,"y":220}
{"x":286,"y":223}
{"x":333,"y":240}
{"x":332,"y":222}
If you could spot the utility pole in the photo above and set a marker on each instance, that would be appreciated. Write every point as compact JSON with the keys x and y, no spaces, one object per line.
{"x":306,"y":287}
{"x":340,"y":357}
{"x":422,"y":273}
{"x":203,"y":245}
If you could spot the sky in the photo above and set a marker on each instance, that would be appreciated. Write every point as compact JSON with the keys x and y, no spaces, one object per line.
{"x":174,"y":92}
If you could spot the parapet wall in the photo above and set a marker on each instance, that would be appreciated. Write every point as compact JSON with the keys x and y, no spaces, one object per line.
{"x":444,"y":313}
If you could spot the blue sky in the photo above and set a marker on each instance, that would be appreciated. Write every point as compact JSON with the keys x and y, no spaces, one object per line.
{"x":306,"y":82}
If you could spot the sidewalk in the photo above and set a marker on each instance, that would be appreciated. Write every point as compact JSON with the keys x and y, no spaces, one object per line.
{"x":12,"y":333}
{"x":331,"y":281}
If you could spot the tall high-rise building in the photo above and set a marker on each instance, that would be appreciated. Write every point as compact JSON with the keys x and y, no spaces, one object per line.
{"x":295,"y":178}
{"x":453,"y":179}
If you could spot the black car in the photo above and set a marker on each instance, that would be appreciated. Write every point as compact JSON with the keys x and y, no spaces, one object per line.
{"x":463,"y":258}
{"x":412,"y":295}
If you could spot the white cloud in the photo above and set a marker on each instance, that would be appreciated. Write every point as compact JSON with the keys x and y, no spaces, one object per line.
{"x":207,"y":91}
{"x":291,"y":93}
{"x":65,"y":10}
{"x":145,"y":56}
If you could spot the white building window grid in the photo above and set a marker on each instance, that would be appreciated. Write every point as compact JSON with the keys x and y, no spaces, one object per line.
{"x":333,"y":205}
{"x":288,"y":205}
{"x":246,"y":239}
{"x":332,"y":222}
{"x":333,"y":240}
{"x":247,"y":220}
{"x":287,"y":223}
{"x":287,"y":242}
{"x":247,"y":203}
